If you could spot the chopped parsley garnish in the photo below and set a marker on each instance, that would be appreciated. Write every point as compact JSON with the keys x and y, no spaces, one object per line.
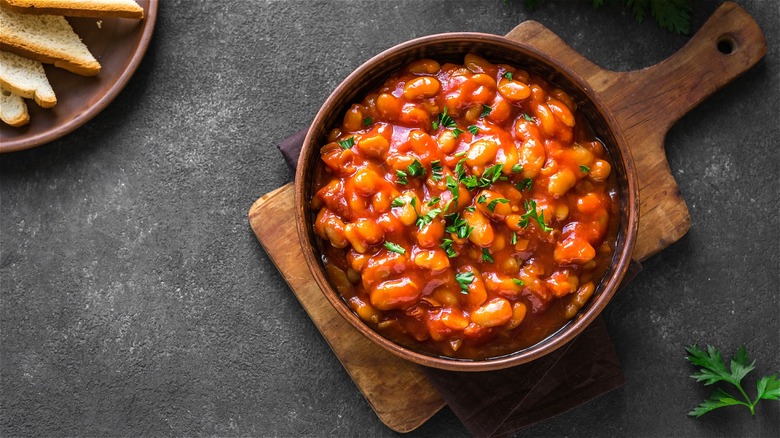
{"x":584,"y":169}
{"x":401,"y":175}
{"x":444,"y":120}
{"x":436,"y":170}
{"x":416,"y":168}
{"x":447,"y":247}
{"x":458,"y":226}
{"x":531,"y":213}
{"x":514,"y":238}
{"x":452,"y":186}
{"x":486,"y":109}
{"x":461,"y":153}
{"x":517,"y":168}
{"x":394,"y":247}
{"x":464,"y":279}
{"x":457,"y":132}
{"x":368,"y":121}
{"x":398,"y":202}
{"x":486,"y":257}
{"x":470,"y":209}
{"x":492,"y":205}
{"x":508,"y":75}
{"x":460,"y":171}
{"x":482,"y":198}
{"x":491,"y":175}
{"x":473,"y":129}
{"x":524,"y":184}
{"x":346,"y":144}
{"x":518,"y":282}
{"x":427,"y":217}
{"x":433,"y":201}
{"x":527,"y":117}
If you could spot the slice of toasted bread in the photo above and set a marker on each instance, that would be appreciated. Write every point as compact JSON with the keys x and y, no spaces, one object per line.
{"x":26,"y":78}
{"x":78,"y":8}
{"x":48,"y":39}
{"x":13,"y":110}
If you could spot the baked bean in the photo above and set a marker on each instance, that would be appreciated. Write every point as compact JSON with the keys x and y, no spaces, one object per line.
{"x":375,"y":146}
{"x":561,"y":182}
{"x":495,"y":312}
{"x":513,"y":91}
{"x":395,"y":294}
{"x":461,"y":241}
{"x":600,"y":170}
{"x":423,"y":66}
{"x":481,"y":152}
{"x":421,"y":87}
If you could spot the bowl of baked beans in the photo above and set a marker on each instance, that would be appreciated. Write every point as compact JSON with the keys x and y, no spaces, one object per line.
{"x":466,"y":202}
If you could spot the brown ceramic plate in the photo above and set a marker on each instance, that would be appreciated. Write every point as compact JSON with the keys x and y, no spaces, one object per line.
{"x":118,"y":44}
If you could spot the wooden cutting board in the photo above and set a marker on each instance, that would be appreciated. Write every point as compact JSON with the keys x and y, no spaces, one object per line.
{"x":645,"y":103}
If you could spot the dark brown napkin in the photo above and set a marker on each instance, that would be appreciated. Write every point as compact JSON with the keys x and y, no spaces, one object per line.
{"x":499,"y":403}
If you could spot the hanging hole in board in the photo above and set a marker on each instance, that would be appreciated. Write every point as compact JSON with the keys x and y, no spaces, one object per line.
{"x":727,"y":44}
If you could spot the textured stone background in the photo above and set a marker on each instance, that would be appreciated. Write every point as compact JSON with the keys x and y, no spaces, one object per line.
{"x":136,"y":300}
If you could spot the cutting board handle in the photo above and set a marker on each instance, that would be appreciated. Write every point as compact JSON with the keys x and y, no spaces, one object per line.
{"x":652,"y":99}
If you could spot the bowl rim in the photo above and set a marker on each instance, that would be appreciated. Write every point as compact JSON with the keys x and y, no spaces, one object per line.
{"x":555,"y":340}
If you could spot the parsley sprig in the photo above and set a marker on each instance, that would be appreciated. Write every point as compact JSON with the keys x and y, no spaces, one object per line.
{"x":531,"y":213}
{"x":714,"y":370}
{"x":446,"y":121}
{"x":346,"y":144}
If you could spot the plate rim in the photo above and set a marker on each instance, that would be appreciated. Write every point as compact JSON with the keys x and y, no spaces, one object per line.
{"x":59,"y":131}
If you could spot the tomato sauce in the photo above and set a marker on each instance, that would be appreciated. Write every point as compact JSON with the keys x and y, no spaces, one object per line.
{"x":465,"y":210}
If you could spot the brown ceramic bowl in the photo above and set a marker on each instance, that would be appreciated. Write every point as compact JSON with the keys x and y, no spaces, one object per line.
{"x":453,"y":47}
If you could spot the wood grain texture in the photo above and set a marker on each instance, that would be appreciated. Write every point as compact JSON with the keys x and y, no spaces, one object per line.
{"x":645,"y":102}
{"x":386,"y":381}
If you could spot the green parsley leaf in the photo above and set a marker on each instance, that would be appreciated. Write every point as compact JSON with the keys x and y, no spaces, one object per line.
{"x":584,"y":169}
{"x":452,"y":186}
{"x":436,"y":170}
{"x":394,"y":247}
{"x":470,"y":182}
{"x":367,"y":121}
{"x":470,"y":209}
{"x":447,"y":247}
{"x":401,"y":175}
{"x":464,"y":279}
{"x":460,"y":170}
{"x":482,"y":198}
{"x":524,"y":184}
{"x":416,"y":168}
{"x":346,"y":144}
{"x":531,"y":213}
{"x":527,"y":117}
{"x":514,"y":238}
{"x":473,"y":129}
{"x":445,"y":120}
{"x":491,"y":175}
{"x":518,"y":282}
{"x":486,"y":109}
{"x":461,"y":153}
{"x":492,"y":205}
{"x":508,"y":75}
{"x":713,"y":370}
{"x":458,"y":226}
{"x":486,"y":257}
{"x":433,"y":201}
{"x":517,"y":168}
{"x":427,"y":217}
{"x":398,"y":202}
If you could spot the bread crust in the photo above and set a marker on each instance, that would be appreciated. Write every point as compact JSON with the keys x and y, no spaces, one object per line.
{"x":42,"y":54}
{"x":67,"y":8}
{"x":44,"y":97}
{"x":18,"y":120}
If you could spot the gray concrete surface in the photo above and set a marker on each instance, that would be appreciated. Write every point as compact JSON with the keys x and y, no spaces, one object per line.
{"x":136,"y":301}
